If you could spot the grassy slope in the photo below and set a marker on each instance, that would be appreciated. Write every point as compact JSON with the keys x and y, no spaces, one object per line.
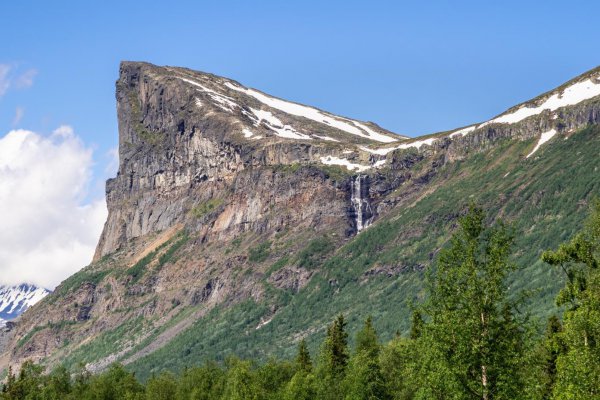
{"x":544,"y":198}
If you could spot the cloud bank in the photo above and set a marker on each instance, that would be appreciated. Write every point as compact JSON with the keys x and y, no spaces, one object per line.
{"x":48,"y":228}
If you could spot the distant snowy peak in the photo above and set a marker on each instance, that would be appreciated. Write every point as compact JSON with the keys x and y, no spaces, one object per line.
{"x":285,"y":119}
{"x":14,"y":300}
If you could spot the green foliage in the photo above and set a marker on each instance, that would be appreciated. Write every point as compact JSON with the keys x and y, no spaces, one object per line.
{"x":105,"y":344}
{"x":50,"y":325}
{"x":259,"y":253}
{"x":400,"y":364}
{"x":578,"y":363}
{"x":335,"y":172}
{"x":303,"y":362}
{"x":288,"y":168}
{"x":203,"y":209}
{"x":282,"y":262}
{"x":302,"y":386}
{"x":333,"y":360}
{"x":364,"y":379}
{"x":366,"y":339}
{"x":138,"y":269}
{"x":473,"y":343}
{"x":168,"y":255}
{"x":75,"y":281}
{"x":543,"y":198}
{"x":162,"y":387}
{"x":139,"y":128}
{"x":315,"y":252}
{"x":172,"y":245}
{"x":424,"y":367}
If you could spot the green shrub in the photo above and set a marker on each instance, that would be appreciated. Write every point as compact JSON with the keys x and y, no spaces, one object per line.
{"x":202,"y":209}
{"x":313,"y":254}
{"x":259,"y":253}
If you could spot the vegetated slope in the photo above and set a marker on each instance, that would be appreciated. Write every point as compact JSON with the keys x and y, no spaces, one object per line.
{"x":219,"y":241}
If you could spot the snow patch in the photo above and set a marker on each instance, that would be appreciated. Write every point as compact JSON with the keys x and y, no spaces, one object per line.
{"x":381,"y":152}
{"x":333,"y":160}
{"x":543,"y":139}
{"x":380,"y":163}
{"x":275,"y":124}
{"x":226,"y":103}
{"x":418,"y":143}
{"x":345,"y":124}
{"x":247,"y":133}
{"x":386,"y":150}
{"x":326,"y":138}
{"x":576,"y":93}
{"x":464,"y":131}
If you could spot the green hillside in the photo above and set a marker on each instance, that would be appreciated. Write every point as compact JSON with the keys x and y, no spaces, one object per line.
{"x":544,"y":199}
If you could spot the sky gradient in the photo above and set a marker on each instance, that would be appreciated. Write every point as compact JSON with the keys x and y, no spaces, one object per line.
{"x":412,"y":67}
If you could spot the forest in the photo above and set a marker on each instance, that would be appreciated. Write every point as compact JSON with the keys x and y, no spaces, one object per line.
{"x":469,"y":339}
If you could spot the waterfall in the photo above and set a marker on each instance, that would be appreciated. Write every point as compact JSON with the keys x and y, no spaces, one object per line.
{"x":359,"y":197}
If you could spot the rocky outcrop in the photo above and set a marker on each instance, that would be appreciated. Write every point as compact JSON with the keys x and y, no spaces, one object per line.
{"x":177,"y":151}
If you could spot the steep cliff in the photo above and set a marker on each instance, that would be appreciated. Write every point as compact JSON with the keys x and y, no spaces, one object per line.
{"x":239,"y":222}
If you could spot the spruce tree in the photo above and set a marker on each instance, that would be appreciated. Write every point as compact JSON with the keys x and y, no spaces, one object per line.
{"x":364,"y":379}
{"x":366,"y":339}
{"x":303,"y":362}
{"x":336,"y":347}
{"x":333,"y":361}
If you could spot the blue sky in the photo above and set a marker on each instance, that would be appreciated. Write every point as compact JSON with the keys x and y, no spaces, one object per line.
{"x":413,"y":67}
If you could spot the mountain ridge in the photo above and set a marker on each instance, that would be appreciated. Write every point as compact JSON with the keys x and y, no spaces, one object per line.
{"x":259,"y":242}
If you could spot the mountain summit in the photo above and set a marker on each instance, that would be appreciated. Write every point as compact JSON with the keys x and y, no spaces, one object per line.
{"x":14,"y":300}
{"x":242,"y":223}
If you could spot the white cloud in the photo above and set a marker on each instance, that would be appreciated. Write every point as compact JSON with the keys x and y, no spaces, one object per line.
{"x":48,"y":229}
{"x":4,"y":80}
{"x":10,"y":77}
{"x":25,"y":80}
{"x":19,"y":113}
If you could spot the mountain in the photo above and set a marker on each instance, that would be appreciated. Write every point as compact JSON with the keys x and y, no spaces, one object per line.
{"x":14,"y":300}
{"x":240,"y":223}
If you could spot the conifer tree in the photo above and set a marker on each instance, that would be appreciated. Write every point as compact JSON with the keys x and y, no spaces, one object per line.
{"x":333,"y":361}
{"x":303,"y":362}
{"x":366,"y":339}
{"x":335,"y":352}
{"x":364,"y":379}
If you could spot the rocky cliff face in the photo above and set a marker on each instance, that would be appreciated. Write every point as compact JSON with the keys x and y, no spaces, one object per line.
{"x":186,"y":138}
{"x":226,"y":195}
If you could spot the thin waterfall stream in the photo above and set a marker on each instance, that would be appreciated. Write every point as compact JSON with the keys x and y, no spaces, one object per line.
{"x":359,"y":197}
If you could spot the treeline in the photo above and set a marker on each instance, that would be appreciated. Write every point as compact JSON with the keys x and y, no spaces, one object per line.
{"x":468,"y":341}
